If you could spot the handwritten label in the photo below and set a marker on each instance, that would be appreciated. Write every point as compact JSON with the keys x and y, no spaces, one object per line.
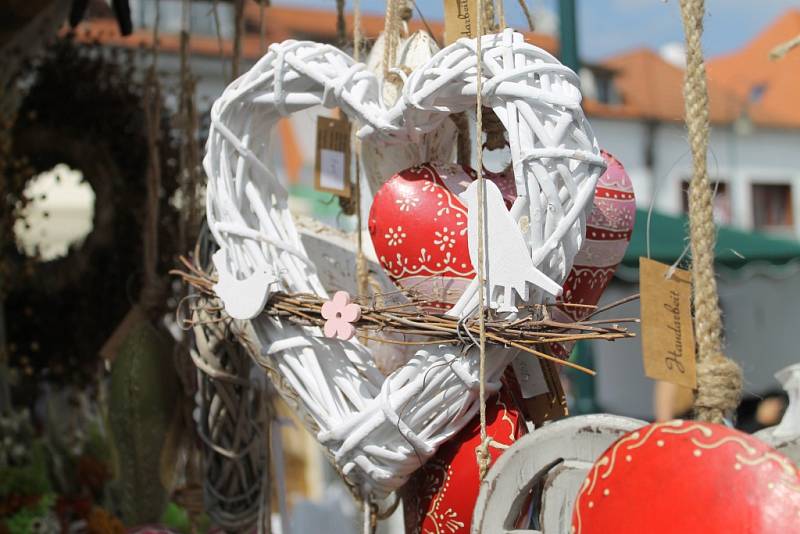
{"x":332,"y":161}
{"x":667,"y":332}
{"x":460,"y":20}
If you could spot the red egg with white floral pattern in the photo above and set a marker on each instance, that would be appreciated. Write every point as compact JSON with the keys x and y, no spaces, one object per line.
{"x":418,"y":228}
{"x":687,"y":476}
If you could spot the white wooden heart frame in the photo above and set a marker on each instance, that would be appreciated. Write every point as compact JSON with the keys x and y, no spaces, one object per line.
{"x":378,"y":430}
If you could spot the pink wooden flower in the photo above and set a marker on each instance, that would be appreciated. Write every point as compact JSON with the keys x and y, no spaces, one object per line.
{"x":340,"y":314}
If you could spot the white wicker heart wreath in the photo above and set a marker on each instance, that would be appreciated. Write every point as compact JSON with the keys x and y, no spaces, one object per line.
{"x":378,"y":430}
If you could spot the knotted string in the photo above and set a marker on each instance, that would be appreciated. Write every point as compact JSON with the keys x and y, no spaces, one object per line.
{"x":482,"y":451}
{"x":719,"y":380}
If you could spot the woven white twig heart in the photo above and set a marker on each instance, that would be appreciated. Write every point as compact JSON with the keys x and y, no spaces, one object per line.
{"x":379,"y":430}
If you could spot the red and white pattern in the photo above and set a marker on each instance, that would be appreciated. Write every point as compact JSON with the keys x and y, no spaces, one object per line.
{"x":418,"y":227}
{"x":608,"y":232}
{"x":441,"y":495}
{"x":687,"y":476}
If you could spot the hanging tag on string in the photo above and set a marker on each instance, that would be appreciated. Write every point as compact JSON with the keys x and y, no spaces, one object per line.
{"x":460,"y":20}
{"x":667,"y":334}
{"x":332,"y":157}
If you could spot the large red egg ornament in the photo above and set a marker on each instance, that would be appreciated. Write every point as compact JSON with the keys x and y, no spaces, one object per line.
{"x":418,"y":227}
{"x":689,"y":477}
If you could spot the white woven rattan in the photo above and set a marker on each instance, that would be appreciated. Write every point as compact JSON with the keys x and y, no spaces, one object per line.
{"x":379,"y":429}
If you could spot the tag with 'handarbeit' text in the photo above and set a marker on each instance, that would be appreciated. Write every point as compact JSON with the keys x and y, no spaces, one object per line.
{"x":667,"y":331}
{"x":460,"y":20}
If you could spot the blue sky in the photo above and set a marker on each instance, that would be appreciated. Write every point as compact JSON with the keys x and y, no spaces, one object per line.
{"x":609,"y":26}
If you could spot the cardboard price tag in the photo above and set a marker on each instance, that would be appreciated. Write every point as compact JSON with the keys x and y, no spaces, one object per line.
{"x":332,"y":157}
{"x":460,"y":20}
{"x":667,"y":330}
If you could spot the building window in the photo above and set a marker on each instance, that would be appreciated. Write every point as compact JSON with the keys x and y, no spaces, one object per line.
{"x":722,"y":201}
{"x":772,"y":207}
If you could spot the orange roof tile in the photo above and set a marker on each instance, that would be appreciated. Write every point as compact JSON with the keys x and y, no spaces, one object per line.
{"x":280,"y":23}
{"x":750,"y":70}
{"x":652,"y":88}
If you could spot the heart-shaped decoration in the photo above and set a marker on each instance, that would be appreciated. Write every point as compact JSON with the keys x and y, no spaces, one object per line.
{"x":418,"y":227}
{"x":687,"y":476}
{"x":334,"y":385}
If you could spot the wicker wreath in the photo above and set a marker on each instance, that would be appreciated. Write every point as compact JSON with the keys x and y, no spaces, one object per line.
{"x":378,"y":430}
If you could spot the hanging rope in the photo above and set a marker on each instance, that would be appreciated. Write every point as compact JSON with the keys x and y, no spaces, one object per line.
{"x":527,"y":12}
{"x":341,"y":26}
{"x":391,"y":32}
{"x":238,"y":32}
{"x":362,"y":273}
{"x":150,"y":298}
{"x":719,"y":380}
{"x":483,"y":449}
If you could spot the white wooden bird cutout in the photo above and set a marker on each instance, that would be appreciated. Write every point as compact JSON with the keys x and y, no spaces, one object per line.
{"x":508,"y":265}
{"x":243,"y":299}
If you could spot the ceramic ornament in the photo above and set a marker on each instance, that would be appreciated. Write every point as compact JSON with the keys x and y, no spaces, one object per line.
{"x":378,"y":164}
{"x":441,"y":495}
{"x":418,"y":227}
{"x":608,"y":233}
{"x":687,"y":476}
{"x":366,"y":421}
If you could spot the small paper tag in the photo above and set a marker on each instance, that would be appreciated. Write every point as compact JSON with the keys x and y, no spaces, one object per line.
{"x":667,"y":332}
{"x":332,"y":161}
{"x":540,"y":385}
{"x":529,"y":376}
{"x":460,"y":20}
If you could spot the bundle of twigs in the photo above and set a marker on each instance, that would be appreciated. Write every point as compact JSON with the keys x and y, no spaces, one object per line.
{"x":530,"y":333}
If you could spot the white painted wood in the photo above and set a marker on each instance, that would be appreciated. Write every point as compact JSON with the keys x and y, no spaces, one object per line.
{"x":508,"y":266}
{"x":558,"y":456}
{"x":785,"y":436}
{"x":243,"y":299}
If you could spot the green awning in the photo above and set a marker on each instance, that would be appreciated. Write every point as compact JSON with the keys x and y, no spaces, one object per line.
{"x":735,"y":248}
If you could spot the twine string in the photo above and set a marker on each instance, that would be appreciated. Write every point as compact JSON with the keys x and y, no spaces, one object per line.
{"x":719,"y":380}
{"x":150,"y":297}
{"x":362,"y":273}
{"x":482,"y":452}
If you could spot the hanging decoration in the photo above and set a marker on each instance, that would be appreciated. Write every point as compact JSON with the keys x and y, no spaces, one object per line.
{"x":708,"y":478}
{"x":102,"y":134}
{"x":719,"y":379}
{"x":376,"y":434}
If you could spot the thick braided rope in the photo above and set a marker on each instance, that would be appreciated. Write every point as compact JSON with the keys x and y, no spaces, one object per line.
{"x":719,"y":380}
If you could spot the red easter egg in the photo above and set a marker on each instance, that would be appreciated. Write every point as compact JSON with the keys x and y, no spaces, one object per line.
{"x":418,"y":227}
{"x":608,"y":231}
{"x":441,"y":495}
{"x":689,"y":477}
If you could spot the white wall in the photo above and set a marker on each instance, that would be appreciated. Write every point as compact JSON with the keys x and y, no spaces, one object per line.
{"x":740,"y":160}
